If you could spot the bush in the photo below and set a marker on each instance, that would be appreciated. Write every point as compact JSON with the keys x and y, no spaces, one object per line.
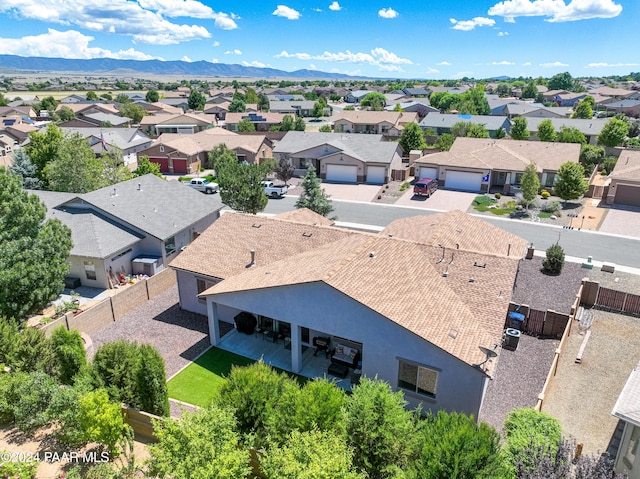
{"x":483,"y":200}
{"x":608,"y":164}
{"x":554,"y":260}
{"x":20,"y":469}
{"x":497,"y":196}
{"x":68,"y":349}
{"x":152,"y":382}
{"x":32,"y":394}
{"x":545,"y":194}
{"x":552,"y":207}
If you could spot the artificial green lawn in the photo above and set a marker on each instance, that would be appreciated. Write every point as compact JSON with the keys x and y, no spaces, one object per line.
{"x":200,"y":382}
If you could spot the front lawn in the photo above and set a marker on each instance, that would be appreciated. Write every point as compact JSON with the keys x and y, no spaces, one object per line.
{"x":484,"y":203}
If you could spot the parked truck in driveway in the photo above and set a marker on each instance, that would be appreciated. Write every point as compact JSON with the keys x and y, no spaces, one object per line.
{"x":204,"y":185}
{"x":274,"y":191}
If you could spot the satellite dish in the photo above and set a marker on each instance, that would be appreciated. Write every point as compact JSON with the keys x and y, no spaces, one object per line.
{"x":489,"y":353}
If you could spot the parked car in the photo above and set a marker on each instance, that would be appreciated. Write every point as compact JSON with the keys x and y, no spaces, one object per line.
{"x":425,"y":187}
{"x":204,"y":185}
{"x":274,"y":191}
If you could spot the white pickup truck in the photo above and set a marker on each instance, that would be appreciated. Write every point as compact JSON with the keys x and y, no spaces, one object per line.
{"x":273,"y":191}
{"x":204,"y":185}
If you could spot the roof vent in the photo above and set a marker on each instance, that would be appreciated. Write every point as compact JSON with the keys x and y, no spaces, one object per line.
{"x":139,"y":186}
{"x":453,"y":333}
{"x":256,"y":225}
{"x":472,"y":280}
{"x":115,"y":192}
{"x":483,"y":265}
{"x":372,"y":254}
{"x":253,"y":259}
{"x":445,"y":273}
{"x":306,"y":234}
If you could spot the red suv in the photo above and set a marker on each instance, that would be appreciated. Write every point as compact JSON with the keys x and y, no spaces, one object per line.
{"x":425,"y":187}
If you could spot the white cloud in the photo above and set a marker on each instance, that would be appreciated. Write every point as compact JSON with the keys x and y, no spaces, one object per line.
{"x":380,"y":57}
{"x":526,"y":64}
{"x":319,"y":10}
{"x":553,"y":65}
{"x":556,"y":10}
{"x":432,"y":70}
{"x":503,"y":34}
{"x":233,"y":52}
{"x":286,"y":12}
{"x":387,"y":13}
{"x":312,"y":66}
{"x":215,"y":60}
{"x":186,"y":59}
{"x":502,"y":63}
{"x":216,"y":43}
{"x":335,"y":6}
{"x":145,"y":21}
{"x":459,"y":75}
{"x":444,"y":64}
{"x":467,"y":25}
{"x":69,"y":44}
{"x":255,"y":63}
{"x":611,"y":65}
{"x":391,"y":68}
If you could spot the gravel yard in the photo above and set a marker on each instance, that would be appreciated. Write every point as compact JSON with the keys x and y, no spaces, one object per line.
{"x":179,"y":336}
{"x":518,"y":379}
{"x":542,"y":291}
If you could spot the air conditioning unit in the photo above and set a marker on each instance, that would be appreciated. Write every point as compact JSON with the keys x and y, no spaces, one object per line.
{"x":147,"y":265}
{"x":511,"y":339}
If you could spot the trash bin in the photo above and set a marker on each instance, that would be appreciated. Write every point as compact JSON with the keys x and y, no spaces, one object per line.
{"x":516,"y":320}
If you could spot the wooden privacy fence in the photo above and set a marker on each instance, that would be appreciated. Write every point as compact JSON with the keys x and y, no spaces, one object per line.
{"x":612,"y":300}
{"x":540,"y":323}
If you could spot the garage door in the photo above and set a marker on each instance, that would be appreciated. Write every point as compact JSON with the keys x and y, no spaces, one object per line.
{"x":180,"y":166}
{"x":346,"y":173}
{"x":163,"y":162}
{"x":427,"y":172}
{"x":376,"y":174}
{"x":627,"y":195}
{"x":463,"y":180}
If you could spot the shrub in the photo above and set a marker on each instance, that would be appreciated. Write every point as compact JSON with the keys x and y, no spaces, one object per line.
{"x":20,"y":469}
{"x":552,"y":207}
{"x":152,"y":382}
{"x":498,"y":196}
{"x":101,"y":421}
{"x":379,"y":197}
{"x":608,"y":164}
{"x":32,"y":394}
{"x":554,"y":260}
{"x":68,"y":349}
{"x":545,"y":194}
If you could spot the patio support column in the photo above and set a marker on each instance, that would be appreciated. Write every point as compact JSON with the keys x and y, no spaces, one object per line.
{"x":214,"y":325}
{"x":508,"y":180}
{"x":296,"y":350}
{"x":543,"y":180}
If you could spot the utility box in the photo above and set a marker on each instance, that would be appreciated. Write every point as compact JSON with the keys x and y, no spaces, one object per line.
{"x":147,"y":265}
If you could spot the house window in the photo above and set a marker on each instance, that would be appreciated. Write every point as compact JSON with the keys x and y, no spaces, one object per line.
{"x":202,"y":285}
{"x":418,"y":379}
{"x":518,"y":179}
{"x":90,"y":270}
{"x":305,"y":163}
{"x":551,"y":178}
{"x":161,"y":149}
{"x":633,"y":448}
{"x":170,"y":246}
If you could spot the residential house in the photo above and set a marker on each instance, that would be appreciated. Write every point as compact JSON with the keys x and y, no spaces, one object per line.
{"x":624,"y":185}
{"x":550,"y":95}
{"x":302,"y":108}
{"x":128,"y":140}
{"x":453,"y":90}
{"x":157,"y":108}
{"x":415,"y":305}
{"x":618,"y":93}
{"x":416,"y":92}
{"x":120,"y":228}
{"x":483,"y":164}
{"x":183,"y":123}
{"x":177,"y":101}
{"x":182,"y":154}
{"x":101,"y":119}
{"x":419,"y":105}
{"x":17,"y":111}
{"x":628,"y":107}
{"x":341,"y":157}
{"x":567,"y":99}
{"x":74,"y":98}
{"x":261,"y":121}
{"x":627,"y":410}
{"x":590,"y":128}
{"x":442,"y":122}
{"x":356,"y":96}
{"x":549,"y":112}
{"x":388,"y":123}
{"x":7,"y":145}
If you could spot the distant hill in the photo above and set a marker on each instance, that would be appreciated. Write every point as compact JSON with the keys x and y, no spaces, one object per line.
{"x":155,"y":67}
{"x":501,"y":78}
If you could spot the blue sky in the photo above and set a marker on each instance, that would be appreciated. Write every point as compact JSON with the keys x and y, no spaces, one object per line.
{"x":395,"y":39}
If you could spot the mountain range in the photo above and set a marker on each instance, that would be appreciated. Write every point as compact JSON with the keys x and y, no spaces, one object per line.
{"x":155,"y":67}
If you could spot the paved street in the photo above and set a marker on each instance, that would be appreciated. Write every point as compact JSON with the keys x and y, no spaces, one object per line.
{"x":601,"y":246}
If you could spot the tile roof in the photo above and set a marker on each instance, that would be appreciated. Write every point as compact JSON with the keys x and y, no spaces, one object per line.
{"x":123,"y":138}
{"x":628,"y":166}
{"x":627,"y":406}
{"x":510,"y":155}
{"x":306,"y":216}
{"x":400,"y":278}
{"x":206,"y":140}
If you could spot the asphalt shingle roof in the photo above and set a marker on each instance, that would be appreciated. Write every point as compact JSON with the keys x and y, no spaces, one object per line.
{"x":627,"y":406}
{"x":628,"y":166}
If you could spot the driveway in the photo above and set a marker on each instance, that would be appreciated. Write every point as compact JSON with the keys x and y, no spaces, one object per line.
{"x":445,"y":200}
{"x":344,"y":191}
{"x":622,"y":220}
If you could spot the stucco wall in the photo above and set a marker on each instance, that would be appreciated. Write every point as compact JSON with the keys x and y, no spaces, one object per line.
{"x":322,"y":308}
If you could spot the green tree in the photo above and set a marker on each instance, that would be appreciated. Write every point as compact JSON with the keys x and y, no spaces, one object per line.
{"x":613,"y":133}
{"x":240,"y":187}
{"x":379,"y":429}
{"x":43,"y":147}
{"x":499,"y":133}
{"x":250,"y":96}
{"x":554,"y":259}
{"x":570,"y":182}
{"x":590,"y":156}
{"x":145,"y":167}
{"x":26,"y":170}
{"x":530,"y":184}
{"x":561,"y":81}
{"x":519,"y":129}
{"x":203,"y":444}
{"x":454,"y":446}
{"x":468,"y":129}
{"x":569,"y":134}
{"x":65,"y":114}
{"x":101,"y":421}
{"x":318,"y":110}
{"x":116,"y":366}
{"x":374,"y":101}
{"x":445,"y":141}
{"x":245,"y":126}
{"x":310,"y":455}
{"x":287,"y":123}
{"x":49,"y":104}
{"x":122,"y":98}
{"x":152,"y":382}
{"x":76,"y":168}
{"x":479,"y":100}
{"x":324,"y":129}
{"x":546,"y":131}
{"x":412,"y":138}
{"x":133,"y":111}
{"x":237,"y":106}
{"x":68,"y":349}
{"x":299,"y":124}
{"x":583,"y":109}
{"x":25,"y":350}
{"x":30,"y":395}
{"x":313,"y":195}
{"x":91,"y":95}
{"x":196,"y":100}
{"x":115,"y":170}
{"x":152,"y":96}
{"x":284,"y":170}
{"x":530,"y":91}
{"x":33,"y":251}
